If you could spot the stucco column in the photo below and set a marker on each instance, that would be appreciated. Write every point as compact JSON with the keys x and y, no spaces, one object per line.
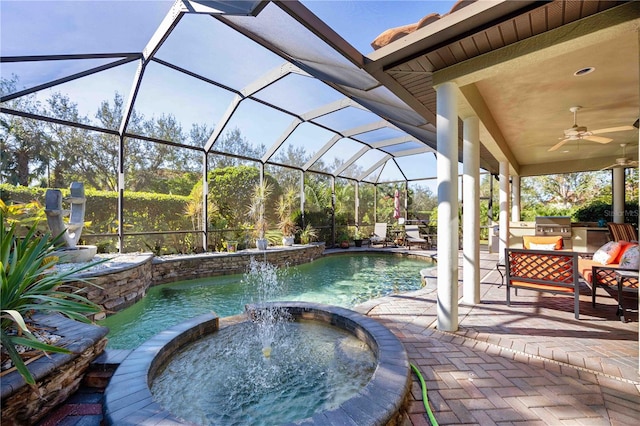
{"x":515,"y":193}
{"x":618,"y":195}
{"x":504,"y":208}
{"x":471,"y":211}
{"x":447,"y":165}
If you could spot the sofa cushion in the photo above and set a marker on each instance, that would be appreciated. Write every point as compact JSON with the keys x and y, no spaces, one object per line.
{"x":606,"y":254}
{"x":630,"y":258}
{"x":536,"y":239}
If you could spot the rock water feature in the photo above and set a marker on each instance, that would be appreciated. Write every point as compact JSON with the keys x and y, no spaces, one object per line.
{"x":286,"y":362}
{"x":71,"y":232}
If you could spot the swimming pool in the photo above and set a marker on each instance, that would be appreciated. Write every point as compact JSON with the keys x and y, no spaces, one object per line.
{"x":344,"y":280}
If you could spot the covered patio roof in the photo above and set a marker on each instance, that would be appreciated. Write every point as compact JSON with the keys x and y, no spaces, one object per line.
{"x":520,"y":66}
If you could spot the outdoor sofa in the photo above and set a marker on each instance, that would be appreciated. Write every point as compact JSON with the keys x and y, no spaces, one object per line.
{"x":553,"y":269}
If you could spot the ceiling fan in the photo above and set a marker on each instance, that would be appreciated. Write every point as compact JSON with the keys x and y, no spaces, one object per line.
{"x":580,"y":132}
{"x":622,"y":161}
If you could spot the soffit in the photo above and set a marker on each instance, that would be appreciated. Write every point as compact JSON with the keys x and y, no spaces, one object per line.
{"x":527,"y":104}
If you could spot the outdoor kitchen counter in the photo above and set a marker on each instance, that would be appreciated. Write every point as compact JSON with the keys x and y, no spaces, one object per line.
{"x":585,"y":237}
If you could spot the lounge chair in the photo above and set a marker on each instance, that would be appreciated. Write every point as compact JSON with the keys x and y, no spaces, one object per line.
{"x":622,"y":232}
{"x":379,"y":234}
{"x":412,"y":236}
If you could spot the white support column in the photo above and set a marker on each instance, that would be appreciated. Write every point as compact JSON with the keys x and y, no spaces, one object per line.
{"x":471,"y":211}
{"x":447,"y":165}
{"x":504,"y":208}
{"x":515,"y":190}
{"x":618,"y":195}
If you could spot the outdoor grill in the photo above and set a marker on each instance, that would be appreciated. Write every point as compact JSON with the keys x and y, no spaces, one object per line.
{"x":554,"y":226}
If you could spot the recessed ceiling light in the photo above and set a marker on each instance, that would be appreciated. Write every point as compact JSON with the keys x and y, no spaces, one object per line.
{"x":583,"y":71}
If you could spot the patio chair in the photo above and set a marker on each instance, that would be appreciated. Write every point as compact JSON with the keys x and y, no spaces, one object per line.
{"x":412,"y":236}
{"x":622,"y":232}
{"x":379,"y":234}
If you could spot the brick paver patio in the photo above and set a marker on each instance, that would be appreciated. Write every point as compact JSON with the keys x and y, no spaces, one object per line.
{"x":530,"y":363}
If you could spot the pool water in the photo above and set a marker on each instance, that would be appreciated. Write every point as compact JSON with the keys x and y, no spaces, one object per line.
{"x":313,"y":367}
{"x":345,"y":280}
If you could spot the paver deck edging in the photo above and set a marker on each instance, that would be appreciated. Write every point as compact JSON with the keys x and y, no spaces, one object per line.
{"x":128,"y":400}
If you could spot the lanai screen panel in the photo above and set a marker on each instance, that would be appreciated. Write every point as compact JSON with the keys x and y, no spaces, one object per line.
{"x":336,"y":156}
{"x":212,"y":50}
{"x":86,"y":93}
{"x":347,"y":118}
{"x":258,"y":125}
{"x":298,"y":148}
{"x":306,"y":50}
{"x":379,"y":135}
{"x":299,"y":93}
{"x":172,"y":95}
{"x":366,"y":162}
{"x":98,"y":27}
{"x":419,"y":165}
{"x":200,"y":67}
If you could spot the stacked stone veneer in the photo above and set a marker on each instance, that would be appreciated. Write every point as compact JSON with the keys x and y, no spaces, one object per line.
{"x":170,"y":269}
{"x":123,"y":284}
{"x":57,"y":375}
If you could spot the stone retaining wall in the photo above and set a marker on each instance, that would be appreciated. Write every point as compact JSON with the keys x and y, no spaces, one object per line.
{"x":178,"y":268}
{"x":122,"y":284}
{"x":57,"y":375}
{"x":119,"y":286}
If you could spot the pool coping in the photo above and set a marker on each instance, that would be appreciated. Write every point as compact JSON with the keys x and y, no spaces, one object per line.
{"x":128,"y":399}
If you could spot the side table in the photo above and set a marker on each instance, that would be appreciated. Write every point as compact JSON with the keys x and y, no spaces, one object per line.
{"x":621,"y":276}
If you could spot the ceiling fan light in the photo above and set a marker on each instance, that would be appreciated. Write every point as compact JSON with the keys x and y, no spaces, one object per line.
{"x":584,"y":71}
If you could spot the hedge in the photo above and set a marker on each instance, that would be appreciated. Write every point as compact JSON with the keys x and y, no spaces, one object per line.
{"x":143,"y":212}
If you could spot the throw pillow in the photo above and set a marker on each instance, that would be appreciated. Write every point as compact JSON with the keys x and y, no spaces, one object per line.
{"x":624,"y":245}
{"x":630,"y":258}
{"x":527,"y":240}
{"x":535,"y":246}
{"x":607,"y":253}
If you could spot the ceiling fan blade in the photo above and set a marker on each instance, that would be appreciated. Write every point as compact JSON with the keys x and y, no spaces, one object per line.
{"x":558,"y":145}
{"x":612,"y":129}
{"x":598,"y":139}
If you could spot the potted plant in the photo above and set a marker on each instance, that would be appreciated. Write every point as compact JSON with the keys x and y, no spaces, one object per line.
{"x":261,"y":193}
{"x":343,"y":240}
{"x":357,"y":238}
{"x":286,"y":224}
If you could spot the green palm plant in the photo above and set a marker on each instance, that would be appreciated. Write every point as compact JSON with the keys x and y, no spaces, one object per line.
{"x":29,"y":285}
{"x":308,"y":234}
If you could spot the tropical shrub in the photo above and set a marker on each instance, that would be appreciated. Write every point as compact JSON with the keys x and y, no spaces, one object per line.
{"x":30,"y":285}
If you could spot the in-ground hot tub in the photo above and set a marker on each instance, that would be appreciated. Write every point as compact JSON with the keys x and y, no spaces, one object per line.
{"x":129,"y":400}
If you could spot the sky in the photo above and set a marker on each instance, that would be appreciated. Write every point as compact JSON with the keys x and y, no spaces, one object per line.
{"x":31,"y":27}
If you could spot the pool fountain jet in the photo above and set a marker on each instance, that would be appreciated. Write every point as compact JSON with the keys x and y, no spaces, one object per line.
{"x":71,"y":252}
{"x":269,"y":321}
{"x":286,"y":362}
